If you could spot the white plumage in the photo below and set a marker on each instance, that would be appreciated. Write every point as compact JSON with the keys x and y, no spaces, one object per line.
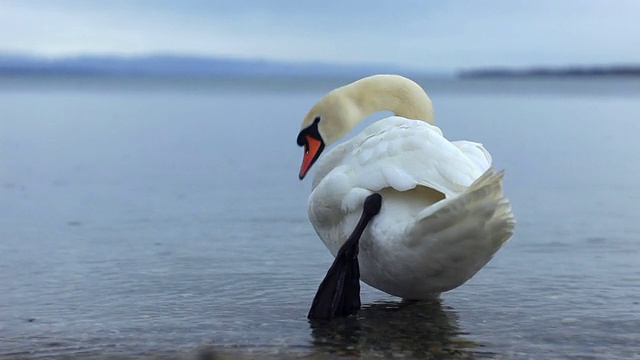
{"x":443,"y":212}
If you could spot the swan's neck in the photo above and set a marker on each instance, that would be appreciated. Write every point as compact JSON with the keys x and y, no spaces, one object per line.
{"x":392,"y":93}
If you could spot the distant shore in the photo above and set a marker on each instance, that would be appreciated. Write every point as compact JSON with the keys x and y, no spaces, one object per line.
{"x":498,"y":72}
{"x":175,"y":66}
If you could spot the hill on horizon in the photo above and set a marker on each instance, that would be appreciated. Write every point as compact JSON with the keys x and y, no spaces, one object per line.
{"x":182,"y":65}
{"x":177,"y":65}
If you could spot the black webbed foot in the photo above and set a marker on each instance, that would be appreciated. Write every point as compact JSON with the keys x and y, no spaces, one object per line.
{"x":339,"y":292}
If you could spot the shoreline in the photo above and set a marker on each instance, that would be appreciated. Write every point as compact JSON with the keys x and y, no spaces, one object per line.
{"x":544,"y":72}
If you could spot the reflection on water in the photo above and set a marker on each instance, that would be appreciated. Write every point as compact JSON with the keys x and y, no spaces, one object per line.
{"x":395,"y":329}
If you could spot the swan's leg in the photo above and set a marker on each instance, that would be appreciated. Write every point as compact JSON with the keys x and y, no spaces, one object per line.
{"x":339,"y":292}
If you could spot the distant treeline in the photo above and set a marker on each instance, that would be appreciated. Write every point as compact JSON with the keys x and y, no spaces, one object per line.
{"x":624,"y":71}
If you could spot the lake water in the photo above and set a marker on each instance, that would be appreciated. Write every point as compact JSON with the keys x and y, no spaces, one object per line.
{"x":156,"y":218}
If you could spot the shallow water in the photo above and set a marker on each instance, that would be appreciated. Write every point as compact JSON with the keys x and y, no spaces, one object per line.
{"x":160,"y":217}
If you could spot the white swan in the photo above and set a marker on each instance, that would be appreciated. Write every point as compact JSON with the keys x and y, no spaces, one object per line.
{"x":443,"y":214}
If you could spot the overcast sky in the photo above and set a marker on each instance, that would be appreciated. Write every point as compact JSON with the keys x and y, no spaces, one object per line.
{"x":434,"y":34}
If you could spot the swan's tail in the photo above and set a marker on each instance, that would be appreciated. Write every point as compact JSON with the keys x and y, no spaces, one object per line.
{"x":466,"y":231}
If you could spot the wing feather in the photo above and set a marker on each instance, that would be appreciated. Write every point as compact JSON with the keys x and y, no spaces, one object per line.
{"x":401,"y":154}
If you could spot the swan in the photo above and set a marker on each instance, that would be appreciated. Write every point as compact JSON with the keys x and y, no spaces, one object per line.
{"x":398,"y":205}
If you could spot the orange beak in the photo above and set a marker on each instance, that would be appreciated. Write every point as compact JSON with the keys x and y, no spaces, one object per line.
{"x":312,"y":150}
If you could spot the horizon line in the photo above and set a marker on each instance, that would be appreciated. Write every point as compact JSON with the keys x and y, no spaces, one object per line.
{"x":260,"y":59}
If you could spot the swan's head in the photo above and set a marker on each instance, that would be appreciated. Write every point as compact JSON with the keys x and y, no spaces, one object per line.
{"x":339,"y":111}
{"x":329,"y":119}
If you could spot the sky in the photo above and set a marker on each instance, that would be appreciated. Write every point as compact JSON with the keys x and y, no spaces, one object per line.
{"x":427,"y":35}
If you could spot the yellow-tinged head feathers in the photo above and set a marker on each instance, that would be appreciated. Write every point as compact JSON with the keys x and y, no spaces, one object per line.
{"x":333,"y":116}
{"x":341,"y":109}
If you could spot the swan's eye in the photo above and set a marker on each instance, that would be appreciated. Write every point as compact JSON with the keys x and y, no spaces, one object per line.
{"x":311,"y":129}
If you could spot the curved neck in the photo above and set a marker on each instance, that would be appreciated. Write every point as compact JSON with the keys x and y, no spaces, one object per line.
{"x":389,"y":93}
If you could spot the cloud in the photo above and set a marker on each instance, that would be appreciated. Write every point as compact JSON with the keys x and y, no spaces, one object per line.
{"x":434,"y":34}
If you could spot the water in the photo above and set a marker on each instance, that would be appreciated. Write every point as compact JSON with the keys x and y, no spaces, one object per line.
{"x":161,"y":217}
